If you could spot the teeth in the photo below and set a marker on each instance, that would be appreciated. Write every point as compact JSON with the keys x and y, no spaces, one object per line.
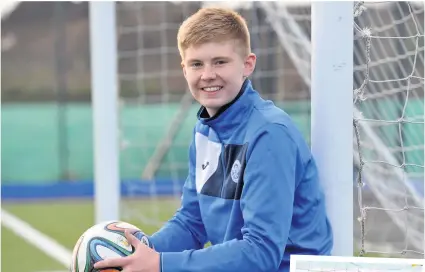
{"x":211,"y":89}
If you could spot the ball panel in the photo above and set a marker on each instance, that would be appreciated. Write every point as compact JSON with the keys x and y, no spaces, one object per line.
{"x":125,"y":225}
{"x":103,"y":241}
{"x":99,"y":246}
{"x":83,"y":255}
{"x":118,"y":239}
{"x":74,"y":262}
{"x":103,"y":253}
{"x":119,"y":227}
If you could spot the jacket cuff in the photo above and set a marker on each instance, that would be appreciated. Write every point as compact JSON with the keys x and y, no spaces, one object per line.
{"x":172,"y":261}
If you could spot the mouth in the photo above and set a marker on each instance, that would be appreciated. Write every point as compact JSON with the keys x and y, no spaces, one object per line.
{"x":212,"y":89}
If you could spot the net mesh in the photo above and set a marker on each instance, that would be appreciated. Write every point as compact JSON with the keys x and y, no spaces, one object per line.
{"x":154,"y":108}
{"x":158,"y":114}
{"x":388,"y":117}
{"x":389,"y":89}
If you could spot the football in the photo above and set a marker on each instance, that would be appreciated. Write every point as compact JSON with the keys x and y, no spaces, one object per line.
{"x":102,"y":241}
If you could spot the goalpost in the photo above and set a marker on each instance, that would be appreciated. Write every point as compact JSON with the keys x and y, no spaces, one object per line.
{"x":105,"y":114}
{"x":362,"y":65}
{"x":332,"y":115}
{"x":333,"y":119}
{"x":388,"y":138}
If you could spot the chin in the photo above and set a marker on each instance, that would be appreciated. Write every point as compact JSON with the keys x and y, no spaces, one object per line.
{"x":215,"y":105}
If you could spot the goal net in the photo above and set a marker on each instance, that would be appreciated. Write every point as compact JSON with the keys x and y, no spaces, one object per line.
{"x":157,"y":113}
{"x":389,"y":126}
{"x":388,"y":115}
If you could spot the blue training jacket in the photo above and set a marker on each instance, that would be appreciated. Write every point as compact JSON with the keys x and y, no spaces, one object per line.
{"x":252,"y":191}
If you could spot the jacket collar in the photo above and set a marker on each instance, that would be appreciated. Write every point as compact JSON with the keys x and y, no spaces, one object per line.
{"x":231,"y":114}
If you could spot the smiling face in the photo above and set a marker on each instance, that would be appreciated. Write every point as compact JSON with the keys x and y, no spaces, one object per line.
{"x":215,"y":72}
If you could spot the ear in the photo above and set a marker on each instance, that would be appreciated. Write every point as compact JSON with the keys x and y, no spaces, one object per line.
{"x":184,"y":70}
{"x":249,"y":64}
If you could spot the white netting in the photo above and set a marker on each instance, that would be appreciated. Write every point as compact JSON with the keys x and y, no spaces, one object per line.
{"x":154,"y":107}
{"x":157,"y":112}
{"x":389,"y":94}
{"x":389,"y":123}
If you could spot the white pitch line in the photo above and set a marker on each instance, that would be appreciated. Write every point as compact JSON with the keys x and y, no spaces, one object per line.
{"x":43,"y":242}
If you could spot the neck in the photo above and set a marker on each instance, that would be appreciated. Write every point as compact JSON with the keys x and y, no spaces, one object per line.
{"x":211,"y":112}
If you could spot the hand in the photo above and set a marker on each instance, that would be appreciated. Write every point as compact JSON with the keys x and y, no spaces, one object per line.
{"x":144,"y":259}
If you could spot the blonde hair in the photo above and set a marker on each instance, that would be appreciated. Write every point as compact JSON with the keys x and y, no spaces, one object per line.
{"x":214,"y":24}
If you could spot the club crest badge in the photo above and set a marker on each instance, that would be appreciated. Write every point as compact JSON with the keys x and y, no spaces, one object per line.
{"x":236,"y":171}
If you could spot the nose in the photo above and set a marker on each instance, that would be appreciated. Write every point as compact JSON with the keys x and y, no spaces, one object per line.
{"x":208,"y":73}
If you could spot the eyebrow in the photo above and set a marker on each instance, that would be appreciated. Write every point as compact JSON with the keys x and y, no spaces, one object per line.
{"x":215,"y":58}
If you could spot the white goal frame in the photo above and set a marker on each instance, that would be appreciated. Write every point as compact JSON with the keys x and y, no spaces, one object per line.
{"x":331,"y":101}
{"x":332,"y":114}
{"x":104,"y":69}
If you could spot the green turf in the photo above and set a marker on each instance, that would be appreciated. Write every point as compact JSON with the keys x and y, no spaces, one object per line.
{"x":65,"y":221}
{"x":18,"y":255}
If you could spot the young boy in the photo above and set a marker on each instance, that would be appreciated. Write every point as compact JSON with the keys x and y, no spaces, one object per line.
{"x":253,"y":188}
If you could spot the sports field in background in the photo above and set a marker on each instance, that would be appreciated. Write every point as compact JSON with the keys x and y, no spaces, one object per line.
{"x":64,"y":221}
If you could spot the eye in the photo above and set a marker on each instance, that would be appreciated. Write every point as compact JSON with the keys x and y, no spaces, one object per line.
{"x":196,"y":64}
{"x":220,"y":62}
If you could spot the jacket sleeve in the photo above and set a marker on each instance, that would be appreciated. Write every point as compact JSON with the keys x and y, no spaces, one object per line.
{"x":185,"y":229}
{"x":267,"y":207}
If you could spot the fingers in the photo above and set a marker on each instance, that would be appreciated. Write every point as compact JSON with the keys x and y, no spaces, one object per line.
{"x":113,"y":262}
{"x":131,"y":238}
{"x":132,"y":231}
{"x":122,"y":261}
